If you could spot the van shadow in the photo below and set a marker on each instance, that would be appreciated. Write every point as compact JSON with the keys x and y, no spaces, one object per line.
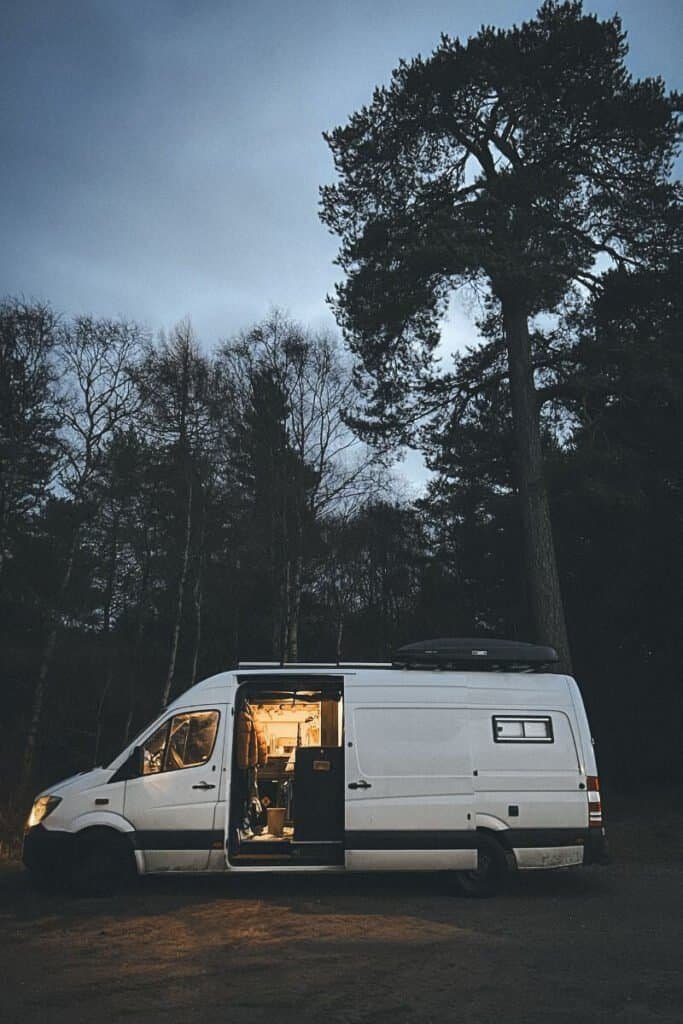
{"x":433,"y":897}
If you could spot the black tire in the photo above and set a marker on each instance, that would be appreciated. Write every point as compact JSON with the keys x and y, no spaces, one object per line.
{"x":489,"y":875}
{"x":44,"y":881}
{"x":103,"y":864}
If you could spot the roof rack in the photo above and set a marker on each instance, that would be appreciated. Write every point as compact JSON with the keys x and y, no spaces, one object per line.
{"x":474,"y":652}
{"x":246,"y":665}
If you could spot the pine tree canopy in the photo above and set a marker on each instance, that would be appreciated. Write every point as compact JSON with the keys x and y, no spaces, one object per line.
{"x":527,"y":160}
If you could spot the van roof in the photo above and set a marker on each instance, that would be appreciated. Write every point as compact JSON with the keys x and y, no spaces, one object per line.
{"x":225,"y":683}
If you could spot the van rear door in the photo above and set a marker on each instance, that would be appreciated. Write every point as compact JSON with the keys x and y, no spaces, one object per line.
{"x":409,"y":794}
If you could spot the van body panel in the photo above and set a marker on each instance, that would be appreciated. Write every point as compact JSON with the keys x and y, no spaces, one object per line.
{"x":529,"y":785}
{"x":584,"y":737}
{"x":171,"y":812}
{"x":218,"y":859}
{"x":413,"y":760}
{"x":530,"y":809}
{"x":422,"y":755}
{"x":82,"y":794}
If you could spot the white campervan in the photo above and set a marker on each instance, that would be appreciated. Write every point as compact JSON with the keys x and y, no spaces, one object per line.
{"x":461,"y":755}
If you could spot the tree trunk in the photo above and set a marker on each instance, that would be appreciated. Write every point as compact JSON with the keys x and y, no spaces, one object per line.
{"x":128,"y":725}
{"x":236,"y":612}
{"x":340,"y":633}
{"x":283,"y":566}
{"x":109,"y":678}
{"x":106,"y":634}
{"x":139,"y":634}
{"x":41,"y":684}
{"x":285,"y":595}
{"x":197,"y":597}
{"x":541,"y":564}
{"x":182,"y":580}
{"x":294,"y":609}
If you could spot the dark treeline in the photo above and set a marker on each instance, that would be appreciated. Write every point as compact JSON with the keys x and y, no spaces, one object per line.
{"x":527,"y":165}
{"x":167,"y":512}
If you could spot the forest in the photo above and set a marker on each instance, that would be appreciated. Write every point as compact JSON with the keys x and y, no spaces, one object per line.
{"x":167,"y":509}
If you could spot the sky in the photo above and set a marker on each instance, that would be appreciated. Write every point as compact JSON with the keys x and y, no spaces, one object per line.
{"x":162,"y":158}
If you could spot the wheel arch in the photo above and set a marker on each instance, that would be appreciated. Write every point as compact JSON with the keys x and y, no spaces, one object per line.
{"x":108,"y":833}
{"x":104,"y":819}
{"x":488,"y":825}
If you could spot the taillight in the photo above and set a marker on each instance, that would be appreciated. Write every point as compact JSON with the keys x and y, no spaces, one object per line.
{"x":594,"y":801}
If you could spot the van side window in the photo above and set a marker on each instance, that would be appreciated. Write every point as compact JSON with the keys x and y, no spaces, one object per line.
{"x":181,"y":742}
{"x":155,"y":749}
{"x":527,"y":729}
{"x":191,"y":739}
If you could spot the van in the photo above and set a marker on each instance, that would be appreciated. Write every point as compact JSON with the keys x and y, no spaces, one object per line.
{"x":466,"y":756}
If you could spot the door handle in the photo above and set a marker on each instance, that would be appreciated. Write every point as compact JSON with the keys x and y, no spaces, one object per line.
{"x":360,"y":785}
{"x":203,"y":785}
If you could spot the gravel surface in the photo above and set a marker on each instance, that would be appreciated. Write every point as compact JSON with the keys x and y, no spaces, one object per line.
{"x":596,"y":944}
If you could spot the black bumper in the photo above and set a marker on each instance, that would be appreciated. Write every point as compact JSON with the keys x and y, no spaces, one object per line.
{"x":47,"y":851}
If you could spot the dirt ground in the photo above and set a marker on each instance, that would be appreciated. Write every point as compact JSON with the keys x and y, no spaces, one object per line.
{"x":596,"y":944}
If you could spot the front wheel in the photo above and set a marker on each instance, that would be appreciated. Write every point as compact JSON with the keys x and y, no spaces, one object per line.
{"x":102,"y":865}
{"x":45,"y":881}
{"x":489,"y":875}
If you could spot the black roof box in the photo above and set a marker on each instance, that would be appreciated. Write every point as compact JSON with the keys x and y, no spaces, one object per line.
{"x":472,"y":652}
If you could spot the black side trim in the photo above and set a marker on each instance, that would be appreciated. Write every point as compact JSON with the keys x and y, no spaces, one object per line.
{"x":177,"y":839}
{"x":525,"y":838}
{"x":464,"y":839}
{"x":453,"y":839}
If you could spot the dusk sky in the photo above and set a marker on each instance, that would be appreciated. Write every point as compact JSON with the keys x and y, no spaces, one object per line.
{"x":162,"y":158}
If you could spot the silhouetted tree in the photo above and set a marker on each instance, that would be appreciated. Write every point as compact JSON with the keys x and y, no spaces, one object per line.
{"x":96,"y":359}
{"x":514,"y":161}
{"x":619,"y":499}
{"x":289,"y":390}
{"x":369,"y":577}
{"x":182,"y":417}
{"x":28,"y":416}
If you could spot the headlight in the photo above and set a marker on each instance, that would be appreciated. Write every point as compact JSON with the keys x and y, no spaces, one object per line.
{"x":43,"y":806}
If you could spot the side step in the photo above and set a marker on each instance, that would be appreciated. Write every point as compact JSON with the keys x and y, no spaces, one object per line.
{"x":280,"y":854}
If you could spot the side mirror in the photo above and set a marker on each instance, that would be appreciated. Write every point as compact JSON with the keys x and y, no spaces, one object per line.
{"x":132,"y":768}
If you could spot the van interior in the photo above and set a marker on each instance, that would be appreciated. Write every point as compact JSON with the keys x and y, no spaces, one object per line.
{"x":287,"y":792}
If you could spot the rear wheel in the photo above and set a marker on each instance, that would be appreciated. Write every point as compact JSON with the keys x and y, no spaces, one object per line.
{"x":102,"y":865}
{"x":489,"y":875}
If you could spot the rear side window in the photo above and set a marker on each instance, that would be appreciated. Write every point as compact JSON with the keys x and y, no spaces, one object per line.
{"x":522,"y":729}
